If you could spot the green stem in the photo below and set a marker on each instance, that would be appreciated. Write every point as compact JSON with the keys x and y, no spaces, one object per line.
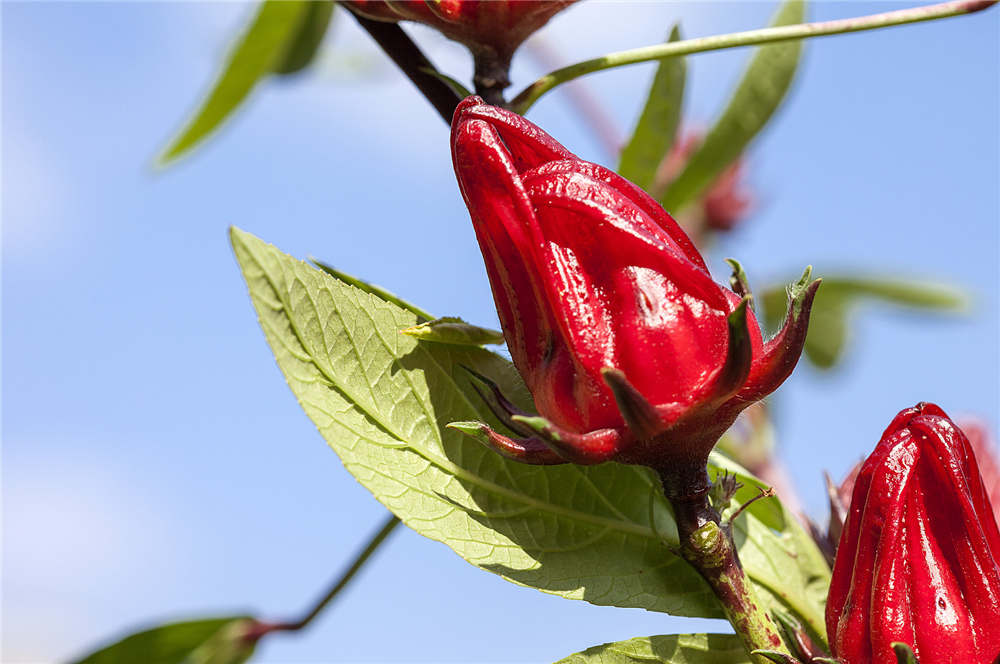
{"x":707,"y":545}
{"x":527,"y":97}
{"x":412,"y":62}
{"x":259,"y":629}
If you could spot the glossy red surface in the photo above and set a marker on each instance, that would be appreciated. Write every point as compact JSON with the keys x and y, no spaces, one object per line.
{"x":500,"y":25}
{"x":589,"y":274}
{"x":919,"y":558}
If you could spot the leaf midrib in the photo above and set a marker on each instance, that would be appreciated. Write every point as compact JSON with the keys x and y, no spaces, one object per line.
{"x":623,"y":526}
{"x":459,"y":472}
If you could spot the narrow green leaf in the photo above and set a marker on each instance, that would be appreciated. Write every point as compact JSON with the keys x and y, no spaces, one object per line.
{"x":377,"y":291}
{"x":754,"y":101}
{"x":258,"y":51}
{"x":915,"y":294}
{"x":382,"y":401}
{"x":452,"y":83}
{"x":673,"y":649}
{"x":739,"y":281}
{"x":654,"y":133}
{"x":213,"y":641}
{"x":451,"y":330}
{"x":304,"y":44}
{"x":829,"y":322}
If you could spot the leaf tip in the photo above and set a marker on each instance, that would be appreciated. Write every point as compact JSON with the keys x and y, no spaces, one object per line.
{"x":474,"y":429}
{"x":238,"y":237}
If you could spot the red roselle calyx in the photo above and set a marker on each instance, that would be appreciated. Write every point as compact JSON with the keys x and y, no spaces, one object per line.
{"x":919,"y":558}
{"x":492,"y":29}
{"x":631,"y":351}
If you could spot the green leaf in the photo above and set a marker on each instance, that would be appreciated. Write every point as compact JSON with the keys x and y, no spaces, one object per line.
{"x":654,"y":133}
{"x":829,"y":321}
{"x":260,"y":49}
{"x":673,"y":649}
{"x":777,"y":552}
{"x":382,"y":401}
{"x":213,"y":641}
{"x":451,"y":330}
{"x":377,"y":291}
{"x":904,"y":654}
{"x":754,"y":101}
{"x":452,"y":83}
{"x":303,"y":45}
{"x":776,"y":656}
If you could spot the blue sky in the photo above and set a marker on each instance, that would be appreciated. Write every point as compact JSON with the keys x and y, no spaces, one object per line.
{"x":155,"y":465}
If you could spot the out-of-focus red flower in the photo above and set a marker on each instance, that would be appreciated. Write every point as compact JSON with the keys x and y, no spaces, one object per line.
{"x":727,"y":201}
{"x":986,"y":454}
{"x":919,"y":558}
{"x":496,"y":25}
{"x":630,"y":349}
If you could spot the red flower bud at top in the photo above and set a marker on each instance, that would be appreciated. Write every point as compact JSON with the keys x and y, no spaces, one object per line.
{"x":919,"y":558}
{"x":497,"y":25}
{"x":630,"y":349}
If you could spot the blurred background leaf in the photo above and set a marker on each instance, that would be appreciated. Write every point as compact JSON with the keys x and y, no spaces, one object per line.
{"x":302,"y":47}
{"x":672,"y":649}
{"x":830,"y":319}
{"x":657,"y":127}
{"x":282,"y":38}
{"x":212,"y":641}
{"x":756,"y":98}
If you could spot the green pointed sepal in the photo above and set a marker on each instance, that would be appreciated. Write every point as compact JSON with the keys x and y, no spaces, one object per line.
{"x":542,"y":441}
{"x":739,"y":282}
{"x":526,"y":450}
{"x":455,"y":331}
{"x":776,"y":656}
{"x":904,"y":653}
{"x":802,"y":645}
{"x":640,"y":416}
{"x":781,"y":353}
{"x":582,"y":448}
{"x":739,"y":353}
{"x":801,"y":294}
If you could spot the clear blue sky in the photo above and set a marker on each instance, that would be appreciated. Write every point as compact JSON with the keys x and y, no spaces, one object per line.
{"x":156,"y":466}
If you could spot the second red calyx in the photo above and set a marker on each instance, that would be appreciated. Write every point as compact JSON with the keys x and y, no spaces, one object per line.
{"x":919,"y":558}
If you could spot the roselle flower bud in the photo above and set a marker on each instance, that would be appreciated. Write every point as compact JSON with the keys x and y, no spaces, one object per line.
{"x":919,"y":558}
{"x":496,"y":26}
{"x":630,"y":349}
